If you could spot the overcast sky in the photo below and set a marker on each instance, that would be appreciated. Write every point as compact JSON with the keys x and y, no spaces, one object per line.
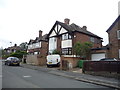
{"x":20,"y":20}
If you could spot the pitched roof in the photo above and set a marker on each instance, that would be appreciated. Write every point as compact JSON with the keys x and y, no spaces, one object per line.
{"x":118,"y":18}
{"x":43,"y":38}
{"x":73,"y":27}
{"x":13,"y":47}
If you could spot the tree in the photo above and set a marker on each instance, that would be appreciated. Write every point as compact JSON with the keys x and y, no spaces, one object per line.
{"x":23,"y":46}
{"x":18,"y":54}
{"x":82,"y":49}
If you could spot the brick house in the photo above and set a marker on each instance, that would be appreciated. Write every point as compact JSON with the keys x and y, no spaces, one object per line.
{"x":37,"y":50}
{"x":12,"y":49}
{"x":114,"y":39}
{"x":63,"y":36}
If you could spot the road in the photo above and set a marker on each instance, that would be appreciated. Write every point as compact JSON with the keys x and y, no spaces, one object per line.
{"x":19,"y":77}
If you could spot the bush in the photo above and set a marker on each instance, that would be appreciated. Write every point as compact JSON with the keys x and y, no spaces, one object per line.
{"x":55,"y":52}
{"x":18,"y":54}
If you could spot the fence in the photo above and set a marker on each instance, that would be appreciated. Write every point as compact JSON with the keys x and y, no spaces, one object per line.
{"x":96,"y":66}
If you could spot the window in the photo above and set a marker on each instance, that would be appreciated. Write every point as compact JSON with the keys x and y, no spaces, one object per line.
{"x":119,"y":53}
{"x":118,"y":34}
{"x":66,"y":36}
{"x":36,"y":53}
{"x":30,"y":46}
{"x":67,"y":51}
{"x":52,"y":44}
{"x":92,"y":39}
{"x":37,"y":45}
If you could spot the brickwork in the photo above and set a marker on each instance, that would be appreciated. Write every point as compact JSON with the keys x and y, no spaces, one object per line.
{"x":85,"y":38}
{"x":114,"y":42}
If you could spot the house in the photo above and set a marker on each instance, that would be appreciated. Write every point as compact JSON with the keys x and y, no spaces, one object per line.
{"x":37,"y":50}
{"x":63,"y":36}
{"x":114,"y":39}
{"x":12,"y":49}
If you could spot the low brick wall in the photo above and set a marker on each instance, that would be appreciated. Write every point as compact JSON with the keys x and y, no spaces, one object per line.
{"x":36,"y":60}
{"x":72,"y":60}
{"x":104,"y":74}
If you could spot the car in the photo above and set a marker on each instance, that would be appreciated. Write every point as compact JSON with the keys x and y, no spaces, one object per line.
{"x":12,"y":61}
{"x":108,"y":59}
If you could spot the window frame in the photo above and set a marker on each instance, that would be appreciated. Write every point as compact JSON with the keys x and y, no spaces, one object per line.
{"x":66,"y":36}
{"x":118,"y":34}
{"x":66,"y":51}
{"x":119,"y":53}
{"x":92,"y":39}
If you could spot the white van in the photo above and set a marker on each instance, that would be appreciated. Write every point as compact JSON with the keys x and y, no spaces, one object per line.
{"x":53,"y":60}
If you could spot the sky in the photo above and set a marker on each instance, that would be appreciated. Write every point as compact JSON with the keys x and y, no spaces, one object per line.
{"x":21,"y":20}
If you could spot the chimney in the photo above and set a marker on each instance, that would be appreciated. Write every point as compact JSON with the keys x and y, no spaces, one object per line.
{"x":84,"y":28}
{"x":66,"y":21}
{"x":40,"y":33}
{"x":15,"y":45}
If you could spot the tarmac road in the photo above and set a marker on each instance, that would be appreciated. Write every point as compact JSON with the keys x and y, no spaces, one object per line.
{"x":19,"y":77}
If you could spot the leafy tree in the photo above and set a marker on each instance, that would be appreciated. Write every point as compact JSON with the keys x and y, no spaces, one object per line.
{"x":18,"y":54}
{"x":82,"y":49}
{"x":23,"y":46}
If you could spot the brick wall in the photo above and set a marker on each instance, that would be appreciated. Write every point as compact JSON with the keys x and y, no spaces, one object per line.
{"x":59,"y":43}
{"x":39,"y":59}
{"x":72,"y":60}
{"x":36,"y":60}
{"x":114,"y":43}
{"x":85,"y":38}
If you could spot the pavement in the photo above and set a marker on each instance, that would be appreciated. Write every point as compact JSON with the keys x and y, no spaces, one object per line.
{"x":78,"y":75}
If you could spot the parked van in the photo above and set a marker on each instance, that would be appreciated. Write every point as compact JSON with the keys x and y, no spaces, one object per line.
{"x":53,"y":60}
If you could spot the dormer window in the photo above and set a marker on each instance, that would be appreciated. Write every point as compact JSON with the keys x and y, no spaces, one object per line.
{"x":118,"y":34}
{"x":66,"y":36}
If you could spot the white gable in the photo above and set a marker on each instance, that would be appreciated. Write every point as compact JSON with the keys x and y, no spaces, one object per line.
{"x":62,"y":31}
{"x":59,"y":27}
{"x":52,"y":34}
{"x":56,"y":28}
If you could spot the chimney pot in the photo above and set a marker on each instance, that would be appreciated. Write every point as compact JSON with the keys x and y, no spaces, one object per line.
{"x":40,"y":33}
{"x":66,"y":21}
{"x":84,"y":27}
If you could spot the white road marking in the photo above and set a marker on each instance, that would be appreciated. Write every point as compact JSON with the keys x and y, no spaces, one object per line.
{"x":1,"y":76}
{"x":27,"y":76}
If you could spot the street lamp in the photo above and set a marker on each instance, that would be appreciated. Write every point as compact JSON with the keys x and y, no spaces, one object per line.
{"x":10,"y":44}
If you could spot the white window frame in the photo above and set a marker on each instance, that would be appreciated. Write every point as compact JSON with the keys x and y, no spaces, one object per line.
{"x":119,"y":53}
{"x":118,"y":34}
{"x":30,"y":46}
{"x":35,"y":53}
{"x":66,"y":36}
{"x":52,"y":44}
